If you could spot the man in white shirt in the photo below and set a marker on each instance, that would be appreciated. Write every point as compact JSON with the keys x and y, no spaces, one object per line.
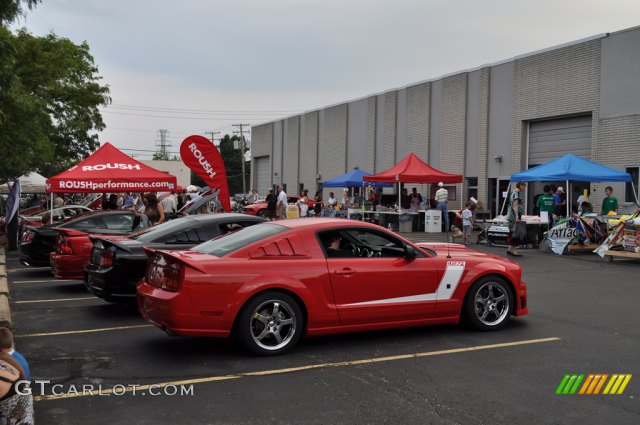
{"x":281,"y":210}
{"x":170,"y":205}
{"x":442,"y":197}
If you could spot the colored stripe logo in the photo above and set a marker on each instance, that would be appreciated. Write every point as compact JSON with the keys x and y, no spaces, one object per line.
{"x":594,"y":384}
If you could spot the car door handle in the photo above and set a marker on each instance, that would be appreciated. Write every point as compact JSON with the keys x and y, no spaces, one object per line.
{"x":346,"y":271}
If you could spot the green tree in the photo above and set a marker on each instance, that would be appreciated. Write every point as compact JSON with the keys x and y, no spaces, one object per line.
{"x":50,"y":92}
{"x":233,"y":164}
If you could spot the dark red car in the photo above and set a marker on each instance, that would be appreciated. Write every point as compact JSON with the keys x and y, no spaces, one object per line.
{"x":260,"y":208}
{"x":271,"y":283}
{"x":73,"y":246}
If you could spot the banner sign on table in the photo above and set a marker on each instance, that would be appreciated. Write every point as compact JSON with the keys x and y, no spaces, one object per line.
{"x":204,"y":159}
{"x":561,"y":236}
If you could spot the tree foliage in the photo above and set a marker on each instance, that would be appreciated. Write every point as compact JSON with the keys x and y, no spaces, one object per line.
{"x":49,"y":97}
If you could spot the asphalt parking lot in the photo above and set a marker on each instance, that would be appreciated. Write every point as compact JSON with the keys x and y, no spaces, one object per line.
{"x":583,"y":320}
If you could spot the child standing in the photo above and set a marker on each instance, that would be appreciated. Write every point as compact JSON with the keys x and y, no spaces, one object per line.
{"x":7,"y":350}
{"x":467,"y":222}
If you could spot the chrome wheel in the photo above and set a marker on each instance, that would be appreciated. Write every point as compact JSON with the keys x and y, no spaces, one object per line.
{"x":491,"y":303}
{"x":273,"y":325}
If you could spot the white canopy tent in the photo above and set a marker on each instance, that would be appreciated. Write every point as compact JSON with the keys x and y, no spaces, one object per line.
{"x":29,"y":183}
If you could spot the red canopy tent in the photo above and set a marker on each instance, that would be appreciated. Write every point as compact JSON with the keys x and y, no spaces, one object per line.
{"x":413,"y":170}
{"x":110,"y":170}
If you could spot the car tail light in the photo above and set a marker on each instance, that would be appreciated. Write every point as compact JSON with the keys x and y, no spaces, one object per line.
{"x":106,"y":258}
{"x":63,"y":246}
{"x":27,"y":237}
{"x":165,"y":275}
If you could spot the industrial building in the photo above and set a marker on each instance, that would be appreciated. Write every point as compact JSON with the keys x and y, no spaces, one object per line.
{"x":582,"y":97}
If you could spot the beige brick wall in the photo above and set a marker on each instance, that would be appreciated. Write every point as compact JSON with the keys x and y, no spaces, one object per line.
{"x":371,"y":135}
{"x":389,"y":150}
{"x":556,"y":83}
{"x":290,"y":153}
{"x":483,"y":137}
{"x":453,"y":126}
{"x":309,"y":151}
{"x":417,"y":120}
{"x":335,"y":142}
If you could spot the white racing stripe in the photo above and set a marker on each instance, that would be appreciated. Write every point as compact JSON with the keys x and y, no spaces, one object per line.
{"x":446,"y":288}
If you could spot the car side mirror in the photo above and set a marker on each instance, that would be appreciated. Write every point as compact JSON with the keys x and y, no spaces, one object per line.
{"x":410,"y":252}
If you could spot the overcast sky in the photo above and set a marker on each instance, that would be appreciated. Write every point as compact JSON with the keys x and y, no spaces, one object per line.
{"x":193,"y":66}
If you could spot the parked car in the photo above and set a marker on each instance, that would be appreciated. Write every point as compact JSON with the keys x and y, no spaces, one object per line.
{"x":73,"y":246}
{"x":117,"y":264}
{"x":38,"y":242}
{"x":272,"y":283}
{"x":260,"y":208}
{"x":59,"y":214}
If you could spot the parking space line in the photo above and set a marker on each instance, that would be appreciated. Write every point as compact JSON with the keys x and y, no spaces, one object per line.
{"x":142,"y":388}
{"x":47,"y":280}
{"x":55,"y":300}
{"x":84,"y":331}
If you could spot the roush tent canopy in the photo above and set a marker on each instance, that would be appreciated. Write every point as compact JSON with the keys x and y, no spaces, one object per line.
{"x":110,"y":170}
{"x":413,"y":170}
{"x":351,"y":179}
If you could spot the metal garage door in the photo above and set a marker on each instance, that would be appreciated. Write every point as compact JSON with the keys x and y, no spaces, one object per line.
{"x":262,"y":181}
{"x":551,"y":139}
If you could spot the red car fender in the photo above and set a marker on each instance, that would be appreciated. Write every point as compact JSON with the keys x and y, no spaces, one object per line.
{"x":480,"y":270}
{"x":312,"y":305}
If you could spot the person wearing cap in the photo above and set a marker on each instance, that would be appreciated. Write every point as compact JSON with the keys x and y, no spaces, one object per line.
{"x":442,"y":196}
{"x":559,"y":202}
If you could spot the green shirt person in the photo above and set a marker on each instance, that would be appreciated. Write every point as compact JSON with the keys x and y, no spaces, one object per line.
{"x":545,"y":201}
{"x":610,"y":203}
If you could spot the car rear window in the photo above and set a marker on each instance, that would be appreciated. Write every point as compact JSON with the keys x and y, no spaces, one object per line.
{"x":150,"y":234}
{"x":234,"y":241}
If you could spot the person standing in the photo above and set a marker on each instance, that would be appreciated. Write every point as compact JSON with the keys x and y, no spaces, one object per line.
{"x":317,"y":208}
{"x":303,"y":203}
{"x":467,"y":222}
{"x":514,"y":215}
{"x":442,"y":197}
{"x":546,"y":202}
{"x":332,"y":201}
{"x":282,"y":203}
{"x":170,"y":206}
{"x":610,"y":203}
{"x":559,"y":202}
{"x":153,"y":209}
{"x":253,"y":197}
{"x":272,"y":202}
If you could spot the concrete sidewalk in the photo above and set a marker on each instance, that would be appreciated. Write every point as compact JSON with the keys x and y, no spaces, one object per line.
{"x":5,"y":313}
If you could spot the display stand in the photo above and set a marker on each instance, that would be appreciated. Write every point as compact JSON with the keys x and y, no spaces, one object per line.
{"x":623,"y":254}
{"x":582,"y":248}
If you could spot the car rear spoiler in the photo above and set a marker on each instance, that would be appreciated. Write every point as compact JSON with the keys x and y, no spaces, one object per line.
{"x":109,"y":242}
{"x":174,"y":257}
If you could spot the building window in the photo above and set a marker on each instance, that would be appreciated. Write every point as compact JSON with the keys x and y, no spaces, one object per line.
{"x":472,"y":188}
{"x":631,"y":188}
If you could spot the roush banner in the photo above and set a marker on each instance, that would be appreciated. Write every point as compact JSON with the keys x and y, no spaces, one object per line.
{"x":110,"y":170}
{"x":204,"y":159}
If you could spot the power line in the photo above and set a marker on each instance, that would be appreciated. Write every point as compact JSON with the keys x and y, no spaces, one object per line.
{"x":186,"y":118}
{"x":155,"y":108}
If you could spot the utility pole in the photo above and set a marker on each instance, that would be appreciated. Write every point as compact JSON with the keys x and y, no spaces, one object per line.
{"x":163,"y":144}
{"x":213,"y":135}
{"x":242,"y":147}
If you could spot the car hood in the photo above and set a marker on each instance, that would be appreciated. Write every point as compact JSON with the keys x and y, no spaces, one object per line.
{"x":459,"y":251}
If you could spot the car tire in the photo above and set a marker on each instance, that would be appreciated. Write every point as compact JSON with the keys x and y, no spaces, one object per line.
{"x":262,"y":213}
{"x":270,"y":324}
{"x":489,"y":304}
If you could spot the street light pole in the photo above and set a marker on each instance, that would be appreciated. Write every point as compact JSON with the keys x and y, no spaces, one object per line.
{"x":242,"y":147}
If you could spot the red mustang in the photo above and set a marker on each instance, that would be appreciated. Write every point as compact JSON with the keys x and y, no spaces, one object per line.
{"x":73,"y":246}
{"x":271,"y":283}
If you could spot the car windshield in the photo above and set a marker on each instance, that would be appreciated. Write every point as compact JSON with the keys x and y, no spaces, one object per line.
{"x":151,"y":233}
{"x":234,"y":241}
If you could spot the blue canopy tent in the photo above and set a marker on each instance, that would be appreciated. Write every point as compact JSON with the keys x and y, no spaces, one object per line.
{"x":352,"y":179}
{"x":572,"y":168}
